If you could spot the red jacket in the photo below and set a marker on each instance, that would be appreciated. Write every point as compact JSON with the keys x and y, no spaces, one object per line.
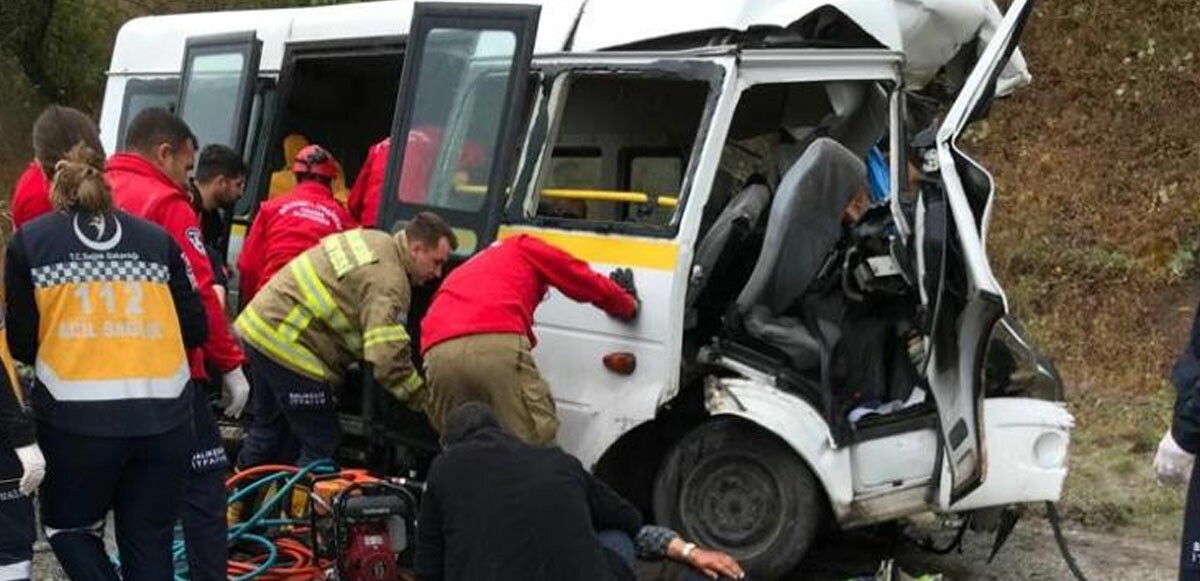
{"x":364,"y":195}
{"x":420,"y":155}
{"x":140,"y":189}
{"x":31,"y":196}
{"x":285,"y":227}
{"x":498,"y":290}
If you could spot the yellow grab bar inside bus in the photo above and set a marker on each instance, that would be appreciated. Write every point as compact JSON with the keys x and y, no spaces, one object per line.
{"x":583,"y":194}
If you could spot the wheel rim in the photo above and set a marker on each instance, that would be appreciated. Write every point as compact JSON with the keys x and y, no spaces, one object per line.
{"x":732,"y":502}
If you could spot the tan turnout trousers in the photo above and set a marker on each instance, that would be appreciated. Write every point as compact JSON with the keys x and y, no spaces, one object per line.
{"x":496,"y":369}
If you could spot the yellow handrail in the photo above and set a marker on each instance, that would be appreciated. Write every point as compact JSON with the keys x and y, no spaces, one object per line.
{"x":585,"y":194}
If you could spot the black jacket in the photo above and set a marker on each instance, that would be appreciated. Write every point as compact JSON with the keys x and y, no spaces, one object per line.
{"x":498,"y":509}
{"x":1186,"y":377}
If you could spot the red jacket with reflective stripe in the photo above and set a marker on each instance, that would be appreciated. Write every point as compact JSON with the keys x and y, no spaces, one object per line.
{"x":498,"y":290}
{"x":143,"y":190}
{"x":31,"y":196}
{"x":285,"y":227}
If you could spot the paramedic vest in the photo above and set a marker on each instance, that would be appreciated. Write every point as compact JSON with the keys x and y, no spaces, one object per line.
{"x":110,"y":354}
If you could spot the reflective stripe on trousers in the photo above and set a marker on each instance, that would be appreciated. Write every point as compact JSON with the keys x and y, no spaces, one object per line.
{"x":95,"y":529}
{"x":16,"y":571}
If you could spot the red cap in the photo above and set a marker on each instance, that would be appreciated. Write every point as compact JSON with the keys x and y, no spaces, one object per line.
{"x":314,"y":160}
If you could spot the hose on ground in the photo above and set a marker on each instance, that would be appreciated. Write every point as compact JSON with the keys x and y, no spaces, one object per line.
{"x":1056,"y":526}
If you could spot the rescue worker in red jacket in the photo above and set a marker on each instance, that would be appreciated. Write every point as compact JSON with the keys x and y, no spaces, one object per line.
{"x":55,"y":132}
{"x":103,"y":305}
{"x":293,"y":223}
{"x":219,"y":182}
{"x":364,"y":194}
{"x":419,"y":156}
{"x":149,"y":180}
{"x":481,"y":322}
{"x":342,"y":301}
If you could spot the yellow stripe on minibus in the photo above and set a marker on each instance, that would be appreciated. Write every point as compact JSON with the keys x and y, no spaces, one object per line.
{"x":605,"y":249}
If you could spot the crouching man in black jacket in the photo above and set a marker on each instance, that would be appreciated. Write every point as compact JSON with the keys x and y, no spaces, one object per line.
{"x":496,"y":508}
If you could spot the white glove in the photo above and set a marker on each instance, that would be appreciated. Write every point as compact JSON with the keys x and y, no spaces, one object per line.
{"x":1172,"y":464}
{"x":235,"y":391}
{"x":33,"y":466}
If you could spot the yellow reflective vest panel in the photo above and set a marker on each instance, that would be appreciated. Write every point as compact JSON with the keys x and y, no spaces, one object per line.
{"x":342,"y":301}
{"x":104,"y":306}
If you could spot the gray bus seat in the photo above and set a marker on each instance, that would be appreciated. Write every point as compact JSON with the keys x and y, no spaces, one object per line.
{"x":740,"y":215}
{"x":803,"y":227}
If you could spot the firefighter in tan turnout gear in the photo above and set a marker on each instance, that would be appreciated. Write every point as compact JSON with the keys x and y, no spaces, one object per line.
{"x":344,"y":300}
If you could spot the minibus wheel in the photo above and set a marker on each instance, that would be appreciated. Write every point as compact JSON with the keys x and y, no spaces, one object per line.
{"x":732,"y":486}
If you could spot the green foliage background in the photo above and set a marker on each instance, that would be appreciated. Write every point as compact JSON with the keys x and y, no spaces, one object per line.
{"x":58,"y":51}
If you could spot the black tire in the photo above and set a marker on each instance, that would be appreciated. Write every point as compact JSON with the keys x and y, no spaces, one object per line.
{"x":729,"y":485}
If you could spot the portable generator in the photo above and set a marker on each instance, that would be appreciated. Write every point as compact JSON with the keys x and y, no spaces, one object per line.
{"x":367,"y":526}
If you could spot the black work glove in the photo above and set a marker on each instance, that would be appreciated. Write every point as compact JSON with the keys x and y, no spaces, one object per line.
{"x":623,"y":277}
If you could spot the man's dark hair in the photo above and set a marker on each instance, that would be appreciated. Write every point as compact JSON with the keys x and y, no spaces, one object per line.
{"x":218,"y":160}
{"x":427,"y":228}
{"x":153,"y":127}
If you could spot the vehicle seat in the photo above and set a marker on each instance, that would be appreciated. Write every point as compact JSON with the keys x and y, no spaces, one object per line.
{"x":726,"y":237}
{"x":803,"y":227}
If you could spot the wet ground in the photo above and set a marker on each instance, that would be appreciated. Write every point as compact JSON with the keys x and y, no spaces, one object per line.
{"x":1030,"y":555}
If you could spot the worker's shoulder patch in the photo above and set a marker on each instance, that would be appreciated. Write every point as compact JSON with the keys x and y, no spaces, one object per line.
{"x":196,"y":239}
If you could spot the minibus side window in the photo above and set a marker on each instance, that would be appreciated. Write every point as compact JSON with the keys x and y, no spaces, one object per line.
{"x":142,"y":94}
{"x":644,"y":128}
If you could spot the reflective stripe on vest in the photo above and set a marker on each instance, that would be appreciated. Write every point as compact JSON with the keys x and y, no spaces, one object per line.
{"x":337,"y":256}
{"x":113,"y":389}
{"x":384,"y":334}
{"x":358,"y":246}
{"x":256,"y":331}
{"x":410,"y":385}
{"x":15,"y":571}
{"x":321,"y":303}
{"x":295,"y":323}
{"x":339,"y":259}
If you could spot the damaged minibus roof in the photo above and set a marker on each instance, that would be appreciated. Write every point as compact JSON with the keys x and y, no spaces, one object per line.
{"x":155,"y":44}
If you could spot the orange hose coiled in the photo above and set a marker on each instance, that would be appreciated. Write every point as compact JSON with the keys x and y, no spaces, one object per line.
{"x":296,"y":561}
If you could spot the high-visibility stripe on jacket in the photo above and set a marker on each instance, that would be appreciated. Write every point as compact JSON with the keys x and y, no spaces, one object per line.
{"x":344,"y":300}
{"x":104,"y":307}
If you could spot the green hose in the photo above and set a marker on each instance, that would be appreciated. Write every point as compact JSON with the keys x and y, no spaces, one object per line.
{"x":259,"y":520}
